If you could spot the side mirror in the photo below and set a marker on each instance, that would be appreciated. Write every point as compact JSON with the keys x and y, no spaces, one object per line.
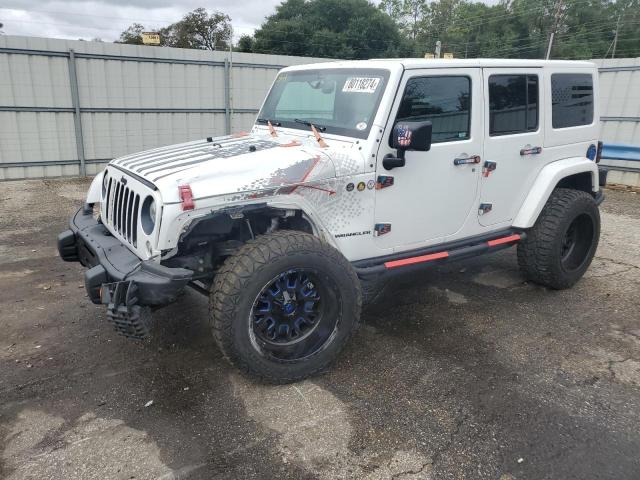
{"x":407,"y":136}
{"x":411,"y":136}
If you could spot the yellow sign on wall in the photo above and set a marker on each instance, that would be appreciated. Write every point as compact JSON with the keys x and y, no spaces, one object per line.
{"x":150,"y":38}
{"x":429,"y":55}
{"x":447,"y":55}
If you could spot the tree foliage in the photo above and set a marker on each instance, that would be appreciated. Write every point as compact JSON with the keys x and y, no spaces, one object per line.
{"x":330,"y":28}
{"x":197,"y":29}
{"x":521,"y":28}
{"x":132,"y":35}
{"x":466,"y":28}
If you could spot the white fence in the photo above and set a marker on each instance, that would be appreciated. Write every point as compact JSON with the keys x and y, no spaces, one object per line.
{"x":620,"y":100}
{"x":68,"y":107}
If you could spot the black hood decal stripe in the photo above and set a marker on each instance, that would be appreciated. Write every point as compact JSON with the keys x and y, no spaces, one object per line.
{"x":240,"y":149}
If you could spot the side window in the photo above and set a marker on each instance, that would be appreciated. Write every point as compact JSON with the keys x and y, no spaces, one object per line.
{"x":513,"y":104}
{"x":445,"y":101}
{"x":571,"y":99}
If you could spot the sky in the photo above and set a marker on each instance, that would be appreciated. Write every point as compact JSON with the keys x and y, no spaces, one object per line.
{"x":105,"y":19}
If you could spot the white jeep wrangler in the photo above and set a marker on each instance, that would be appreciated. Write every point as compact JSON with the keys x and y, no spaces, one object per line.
{"x":352,"y":172}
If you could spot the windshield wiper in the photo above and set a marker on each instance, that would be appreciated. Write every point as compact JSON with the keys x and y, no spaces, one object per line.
{"x":310,"y":124}
{"x":267,"y":120}
{"x":314,"y":130}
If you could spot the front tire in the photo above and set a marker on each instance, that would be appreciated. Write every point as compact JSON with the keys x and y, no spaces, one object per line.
{"x":284,"y":306}
{"x":560,"y":247}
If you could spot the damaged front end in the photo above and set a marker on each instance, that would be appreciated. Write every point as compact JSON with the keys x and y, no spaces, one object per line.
{"x":116,"y":277}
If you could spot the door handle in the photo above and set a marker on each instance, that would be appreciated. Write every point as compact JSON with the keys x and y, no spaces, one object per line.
{"x":465,"y":160}
{"x":529,"y":150}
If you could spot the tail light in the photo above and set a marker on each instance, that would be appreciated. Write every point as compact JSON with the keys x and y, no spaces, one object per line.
{"x":186,"y":197}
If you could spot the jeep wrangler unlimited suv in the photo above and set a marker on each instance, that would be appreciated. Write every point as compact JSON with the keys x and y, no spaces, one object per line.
{"x":353,"y":171}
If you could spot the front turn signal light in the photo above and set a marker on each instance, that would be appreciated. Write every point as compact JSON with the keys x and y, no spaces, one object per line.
{"x":186,"y":197}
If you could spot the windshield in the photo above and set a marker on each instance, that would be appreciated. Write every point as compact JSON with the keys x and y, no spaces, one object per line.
{"x":344,"y":101}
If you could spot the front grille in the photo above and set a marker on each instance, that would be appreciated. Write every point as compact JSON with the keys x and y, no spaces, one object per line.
{"x":121,"y":210}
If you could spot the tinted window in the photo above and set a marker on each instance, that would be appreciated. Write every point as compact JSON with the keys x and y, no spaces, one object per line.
{"x":572,"y":99}
{"x":513,"y":104}
{"x":445,"y":101}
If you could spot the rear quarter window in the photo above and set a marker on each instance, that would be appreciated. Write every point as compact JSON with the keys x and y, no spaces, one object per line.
{"x":571,"y":99}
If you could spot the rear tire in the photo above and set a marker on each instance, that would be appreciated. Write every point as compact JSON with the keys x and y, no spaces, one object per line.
{"x":560,"y":247}
{"x":284,"y":306}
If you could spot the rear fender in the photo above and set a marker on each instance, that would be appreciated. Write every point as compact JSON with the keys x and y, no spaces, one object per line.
{"x":547,"y":180}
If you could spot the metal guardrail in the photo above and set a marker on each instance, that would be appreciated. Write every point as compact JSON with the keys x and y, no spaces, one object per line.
{"x":624,"y":159}
{"x":619,"y":151}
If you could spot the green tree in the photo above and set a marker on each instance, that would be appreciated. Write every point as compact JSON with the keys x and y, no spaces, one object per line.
{"x":330,"y":28}
{"x":521,"y":28}
{"x":200,"y":30}
{"x":245,"y":44}
{"x":132,"y":35}
{"x":197,"y":29}
{"x":628,"y":43}
{"x":408,"y":14}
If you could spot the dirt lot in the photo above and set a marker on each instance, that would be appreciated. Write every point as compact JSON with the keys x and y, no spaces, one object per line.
{"x":461,"y":372}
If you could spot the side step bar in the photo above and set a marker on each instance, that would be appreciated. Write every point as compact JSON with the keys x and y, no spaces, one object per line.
{"x":440,"y":255}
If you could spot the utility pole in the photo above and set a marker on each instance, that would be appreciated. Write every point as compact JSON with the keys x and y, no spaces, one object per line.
{"x":615,"y":39}
{"x":438,"y":48}
{"x":556,"y":22}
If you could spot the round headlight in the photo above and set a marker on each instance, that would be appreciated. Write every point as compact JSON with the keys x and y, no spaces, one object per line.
{"x":148,"y":215}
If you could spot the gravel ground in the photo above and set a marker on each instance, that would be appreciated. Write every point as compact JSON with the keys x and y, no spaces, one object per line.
{"x":465,"y":371}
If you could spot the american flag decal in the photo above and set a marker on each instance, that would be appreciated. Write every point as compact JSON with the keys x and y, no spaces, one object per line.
{"x":404,"y":135}
{"x":384,"y":181}
{"x":381,"y":229}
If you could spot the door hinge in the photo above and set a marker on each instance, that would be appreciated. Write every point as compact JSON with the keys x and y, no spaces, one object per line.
{"x":384,"y":181}
{"x":381,"y":229}
{"x":484,"y":208}
{"x":488,"y":168}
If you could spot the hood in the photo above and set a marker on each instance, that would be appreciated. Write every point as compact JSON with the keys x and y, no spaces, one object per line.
{"x":241,"y":163}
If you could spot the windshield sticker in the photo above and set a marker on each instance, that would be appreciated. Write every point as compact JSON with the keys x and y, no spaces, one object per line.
{"x":361,"y":84}
{"x":362,"y":126}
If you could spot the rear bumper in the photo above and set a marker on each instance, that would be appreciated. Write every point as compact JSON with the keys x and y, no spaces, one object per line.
{"x":110,"y":262}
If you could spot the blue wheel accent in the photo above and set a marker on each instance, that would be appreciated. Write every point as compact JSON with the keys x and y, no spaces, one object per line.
{"x":287,"y":316}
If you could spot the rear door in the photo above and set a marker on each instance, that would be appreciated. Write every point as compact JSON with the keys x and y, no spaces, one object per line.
{"x":433,"y":194}
{"x":513,"y":153}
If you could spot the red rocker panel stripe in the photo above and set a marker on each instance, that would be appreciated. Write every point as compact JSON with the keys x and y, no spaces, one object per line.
{"x":499,"y":241}
{"x":412,"y":260}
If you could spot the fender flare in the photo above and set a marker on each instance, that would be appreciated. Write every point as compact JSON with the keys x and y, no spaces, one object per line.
{"x":94,"y":194}
{"x":546,"y":181}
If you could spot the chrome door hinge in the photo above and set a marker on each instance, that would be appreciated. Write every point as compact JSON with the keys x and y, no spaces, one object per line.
{"x":484,"y":208}
{"x":488,"y":168}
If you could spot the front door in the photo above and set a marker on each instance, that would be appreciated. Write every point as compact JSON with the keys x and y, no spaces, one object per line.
{"x":513,"y":141}
{"x":430,"y":198}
